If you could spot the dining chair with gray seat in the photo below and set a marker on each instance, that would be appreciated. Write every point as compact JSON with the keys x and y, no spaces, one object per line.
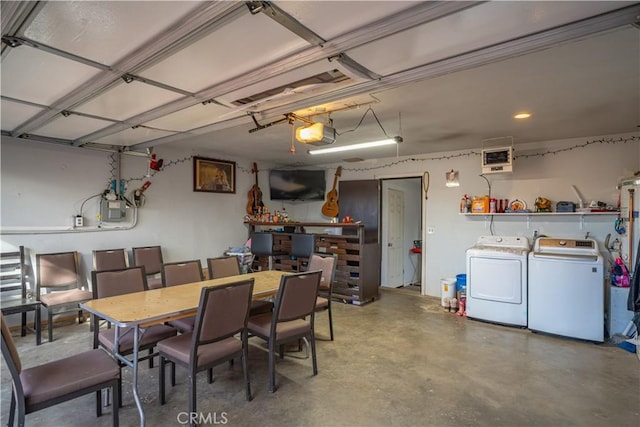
{"x":58,"y":286}
{"x":291,"y":320}
{"x":121,"y":282}
{"x":58,"y":381}
{"x":326,"y":263}
{"x":222,"y":314}
{"x":151,"y":258}
{"x":226,"y":266}
{"x":180,"y":273}
{"x":110,"y":259}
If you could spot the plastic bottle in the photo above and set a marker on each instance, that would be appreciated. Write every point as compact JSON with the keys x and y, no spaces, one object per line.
{"x":468,"y":209}
{"x":463,"y":204}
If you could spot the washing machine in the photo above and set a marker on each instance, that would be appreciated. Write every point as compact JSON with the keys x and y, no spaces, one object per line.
{"x":497,"y":280}
{"x":566,"y":288}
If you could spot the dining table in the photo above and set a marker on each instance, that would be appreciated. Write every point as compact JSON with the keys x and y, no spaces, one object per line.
{"x":140,"y":310}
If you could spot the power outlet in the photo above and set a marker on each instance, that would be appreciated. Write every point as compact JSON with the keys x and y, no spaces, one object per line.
{"x":78,"y":221}
{"x":431,"y":230}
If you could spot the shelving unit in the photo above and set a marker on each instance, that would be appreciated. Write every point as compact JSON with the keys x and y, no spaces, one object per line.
{"x":358,"y":271}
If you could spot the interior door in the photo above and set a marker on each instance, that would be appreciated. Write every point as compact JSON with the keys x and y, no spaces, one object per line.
{"x":394,"y":236}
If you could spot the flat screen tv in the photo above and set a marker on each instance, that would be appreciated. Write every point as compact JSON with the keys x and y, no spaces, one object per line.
{"x":297,"y":184}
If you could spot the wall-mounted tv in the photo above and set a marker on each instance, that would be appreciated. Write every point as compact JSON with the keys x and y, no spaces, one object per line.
{"x":297,"y":184}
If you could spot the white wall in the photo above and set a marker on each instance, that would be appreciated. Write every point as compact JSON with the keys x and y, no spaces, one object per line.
{"x":43,"y":185}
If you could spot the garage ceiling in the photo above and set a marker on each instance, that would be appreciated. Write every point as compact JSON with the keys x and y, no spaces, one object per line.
{"x":235,"y":78}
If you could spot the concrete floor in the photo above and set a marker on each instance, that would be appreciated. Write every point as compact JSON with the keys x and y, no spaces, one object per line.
{"x":400,"y":361}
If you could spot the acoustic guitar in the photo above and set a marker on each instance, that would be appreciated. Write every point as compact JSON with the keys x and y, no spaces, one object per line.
{"x":255,"y":195}
{"x":330,"y":207}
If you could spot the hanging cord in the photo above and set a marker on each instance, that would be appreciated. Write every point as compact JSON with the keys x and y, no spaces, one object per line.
{"x":490,"y":221}
{"x":360,"y":122}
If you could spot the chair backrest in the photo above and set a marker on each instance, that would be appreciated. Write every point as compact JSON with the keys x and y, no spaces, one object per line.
{"x":110,"y":283}
{"x":150,"y":257}
{"x":57,"y":270}
{"x":9,"y":351}
{"x":110,"y":259}
{"x":296,"y":298}
{"x":325,"y":263}
{"x":262,"y":243}
{"x":223,"y":266}
{"x":223,"y":312}
{"x":179,"y":273}
{"x":302,"y":244}
{"x":13,"y":278}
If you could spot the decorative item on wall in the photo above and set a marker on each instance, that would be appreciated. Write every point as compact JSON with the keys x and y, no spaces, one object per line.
{"x":452,"y":179}
{"x":255,"y":205}
{"x":330,"y":207}
{"x":214,"y":176}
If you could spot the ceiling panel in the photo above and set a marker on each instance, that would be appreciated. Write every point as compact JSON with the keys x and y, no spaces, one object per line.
{"x":126,"y":100}
{"x":71,"y":127}
{"x":190,"y":118}
{"x":225,"y":53}
{"x":132,"y":136}
{"x":16,"y":113}
{"x":484,"y":25}
{"x":329,"y":19}
{"x":104,"y":31}
{"x":32,"y":75}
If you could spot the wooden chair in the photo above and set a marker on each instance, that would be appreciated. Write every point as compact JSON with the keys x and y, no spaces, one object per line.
{"x":327,"y":264}
{"x":58,"y":286}
{"x":291,"y":320}
{"x":180,"y":273}
{"x":151,"y":258}
{"x":42,"y":386}
{"x":14,"y":295}
{"x":222,"y":314}
{"x":110,"y":259}
{"x":226,"y":266}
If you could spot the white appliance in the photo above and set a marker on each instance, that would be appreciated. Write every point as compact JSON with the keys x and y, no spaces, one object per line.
{"x":566,"y":288}
{"x":497,"y":280}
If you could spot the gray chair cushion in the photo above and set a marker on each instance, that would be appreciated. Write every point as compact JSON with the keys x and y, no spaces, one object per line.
{"x":260,"y":307}
{"x":61,"y":377}
{"x":65,"y":297}
{"x":179,"y":348}
{"x":184,"y":325}
{"x":261,"y":326}
{"x":154,"y":282}
{"x":322,"y":303}
{"x":150,"y":336}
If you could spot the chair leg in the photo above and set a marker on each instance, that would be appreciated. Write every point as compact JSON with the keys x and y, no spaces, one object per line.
{"x":80,"y":316}
{"x":173,"y":374}
{"x":151,"y":358}
{"x":117,"y":395}
{"x":12,"y":409}
{"x":23,"y":324}
{"x":272,"y":365}
{"x":312,"y":340}
{"x":245,"y":368}
{"x":210,"y":375}
{"x":192,"y":395}
{"x":330,"y":323}
{"x":99,"y":403}
{"x":50,"y":325}
{"x":38,"y":325}
{"x":161,"y":395}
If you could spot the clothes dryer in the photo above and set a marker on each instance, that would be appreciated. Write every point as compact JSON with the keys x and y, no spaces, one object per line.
{"x":497,"y":280}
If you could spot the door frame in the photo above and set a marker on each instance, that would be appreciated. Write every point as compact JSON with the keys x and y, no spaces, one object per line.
{"x":382,"y":228}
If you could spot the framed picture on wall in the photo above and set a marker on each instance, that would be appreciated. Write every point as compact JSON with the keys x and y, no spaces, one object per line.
{"x":214,"y":176}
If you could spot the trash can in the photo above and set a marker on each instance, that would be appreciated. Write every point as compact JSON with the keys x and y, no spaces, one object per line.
{"x":448,"y":289}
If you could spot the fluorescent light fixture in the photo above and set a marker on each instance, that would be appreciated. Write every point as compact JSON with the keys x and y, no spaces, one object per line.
{"x":316,"y":134}
{"x":521,"y":116}
{"x":390,"y":141}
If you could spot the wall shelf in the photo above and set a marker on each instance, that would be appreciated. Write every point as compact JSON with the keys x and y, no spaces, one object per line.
{"x":529,"y":215}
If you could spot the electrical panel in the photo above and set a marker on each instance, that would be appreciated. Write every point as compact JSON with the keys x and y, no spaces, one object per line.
{"x":497,"y":160}
{"x":113,"y":210}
